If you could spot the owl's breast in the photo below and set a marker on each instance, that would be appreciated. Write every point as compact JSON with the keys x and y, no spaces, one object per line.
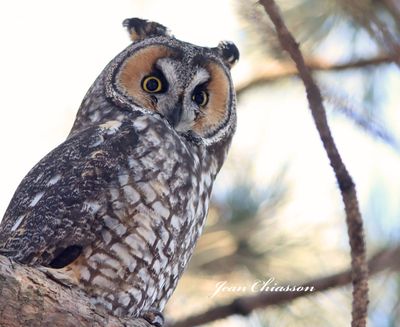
{"x":155,"y":212}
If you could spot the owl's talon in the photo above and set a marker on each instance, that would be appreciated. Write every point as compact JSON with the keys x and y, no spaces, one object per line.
{"x":153,"y":317}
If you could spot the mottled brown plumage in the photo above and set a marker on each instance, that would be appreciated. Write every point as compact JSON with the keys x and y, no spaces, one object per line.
{"x":119,"y":205}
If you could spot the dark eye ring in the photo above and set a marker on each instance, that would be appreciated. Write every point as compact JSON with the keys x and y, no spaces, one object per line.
{"x":200,"y":98}
{"x":152,"y":84}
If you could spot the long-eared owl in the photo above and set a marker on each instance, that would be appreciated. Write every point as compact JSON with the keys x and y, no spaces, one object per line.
{"x":119,"y":205}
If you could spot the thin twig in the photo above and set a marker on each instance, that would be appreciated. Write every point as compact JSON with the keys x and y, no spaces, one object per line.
{"x":384,"y":259}
{"x":289,"y":70}
{"x":346,"y":184}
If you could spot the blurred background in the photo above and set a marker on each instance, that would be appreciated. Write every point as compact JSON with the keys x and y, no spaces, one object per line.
{"x":276,"y":209}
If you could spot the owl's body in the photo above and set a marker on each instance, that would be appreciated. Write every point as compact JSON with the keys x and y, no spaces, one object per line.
{"x":119,"y":205}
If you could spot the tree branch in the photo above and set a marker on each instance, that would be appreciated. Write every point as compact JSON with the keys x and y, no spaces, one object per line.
{"x":29,"y":298}
{"x":384,"y":259}
{"x":346,"y":184}
{"x":289,"y":70}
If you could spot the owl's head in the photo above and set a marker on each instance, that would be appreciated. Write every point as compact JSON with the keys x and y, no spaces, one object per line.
{"x":187,"y":85}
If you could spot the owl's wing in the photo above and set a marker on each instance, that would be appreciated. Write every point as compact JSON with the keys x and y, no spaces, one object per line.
{"x":52,"y":215}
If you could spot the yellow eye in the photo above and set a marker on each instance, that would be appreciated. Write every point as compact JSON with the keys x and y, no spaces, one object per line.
{"x":152,"y":84}
{"x":200,"y":98}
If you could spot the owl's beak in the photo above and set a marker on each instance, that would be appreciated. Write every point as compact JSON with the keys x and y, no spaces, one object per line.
{"x":174,"y":116}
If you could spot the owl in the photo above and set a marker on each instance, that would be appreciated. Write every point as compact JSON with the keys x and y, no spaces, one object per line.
{"x":119,"y":205}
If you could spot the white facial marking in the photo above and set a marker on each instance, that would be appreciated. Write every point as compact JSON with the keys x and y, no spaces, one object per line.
{"x":188,"y":115}
{"x":168,"y":68}
{"x":199,"y":78}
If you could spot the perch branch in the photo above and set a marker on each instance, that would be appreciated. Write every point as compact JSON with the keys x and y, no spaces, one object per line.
{"x":384,"y":259}
{"x":29,"y":298}
{"x":346,"y":184}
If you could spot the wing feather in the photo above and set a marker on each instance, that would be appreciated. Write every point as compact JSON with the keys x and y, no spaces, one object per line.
{"x":57,"y":206}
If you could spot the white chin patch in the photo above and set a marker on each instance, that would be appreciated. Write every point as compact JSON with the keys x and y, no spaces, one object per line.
{"x":186,"y":123}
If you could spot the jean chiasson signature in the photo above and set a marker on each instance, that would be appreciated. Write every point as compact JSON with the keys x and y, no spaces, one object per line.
{"x":268,"y":285}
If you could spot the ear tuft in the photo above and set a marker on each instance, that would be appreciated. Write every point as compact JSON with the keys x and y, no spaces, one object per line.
{"x":229,"y":52}
{"x":140,"y":29}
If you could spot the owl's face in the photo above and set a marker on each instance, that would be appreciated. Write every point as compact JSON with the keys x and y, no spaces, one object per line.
{"x":189,"y":86}
{"x":192,"y":95}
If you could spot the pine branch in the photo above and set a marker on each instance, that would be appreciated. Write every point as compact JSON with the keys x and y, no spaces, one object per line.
{"x":29,"y":298}
{"x":382,"y":260}
{"x":346,"y":184}
{"x":289,"y":70}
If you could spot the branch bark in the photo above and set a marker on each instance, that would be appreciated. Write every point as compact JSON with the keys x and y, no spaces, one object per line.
{"x":29,"y":298}
{"x":289,"y":70}
{"x":384,"y":259}
{"x":346,"y":184}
